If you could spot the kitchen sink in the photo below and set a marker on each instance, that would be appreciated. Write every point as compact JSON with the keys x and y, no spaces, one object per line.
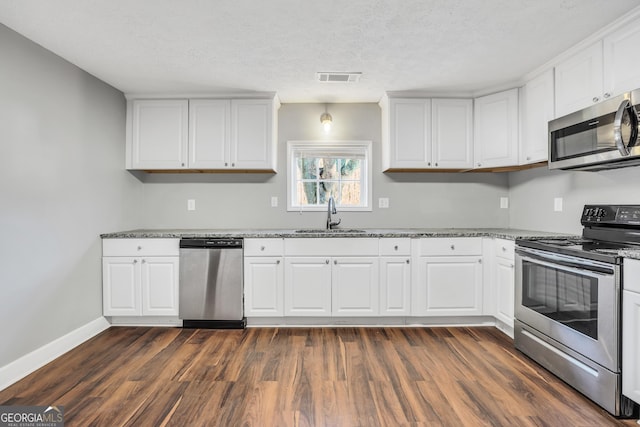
{"x":333,"y":230}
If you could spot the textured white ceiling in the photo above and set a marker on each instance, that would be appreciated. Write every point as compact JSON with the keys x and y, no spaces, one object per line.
{"x":190,"y":46}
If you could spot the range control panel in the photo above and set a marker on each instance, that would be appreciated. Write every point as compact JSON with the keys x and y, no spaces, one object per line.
{"x":623,"y":215}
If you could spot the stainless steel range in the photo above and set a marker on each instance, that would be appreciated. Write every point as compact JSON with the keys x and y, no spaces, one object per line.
{"x":568,"y":303}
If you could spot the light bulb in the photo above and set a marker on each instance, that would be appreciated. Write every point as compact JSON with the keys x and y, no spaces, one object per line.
{"x":326,"y":121}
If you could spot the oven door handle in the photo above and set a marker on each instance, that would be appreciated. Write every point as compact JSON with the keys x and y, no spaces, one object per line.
{"x":577,"y":267}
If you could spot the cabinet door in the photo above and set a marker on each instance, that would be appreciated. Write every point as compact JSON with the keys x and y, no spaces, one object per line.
{"x":496,"y":129}
{"x":410,"y":133}
{"x":120,"y":286}
{"x":447,"y":286}
{"x":579,"y":80}
{"x":307,"y":286}
{"x":537,"y":110}
{"x":354,"y":286}
{"x":251,"y":134}
{"x":263,"y":287}
{"x":505,"y":282}
{"x":159,"y":131}
{"x":395,"y":286}
{"x":452,"y":136}
{"x":621,"y":61}
{"x":209,"y":133}
{"x":159,"y":281}
{"x":631,"y":345}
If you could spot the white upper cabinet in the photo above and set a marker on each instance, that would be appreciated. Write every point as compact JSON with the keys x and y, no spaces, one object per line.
{"x":496,"y":130}
{"x":209,"y":133}
{"x":452,"y":133}
{"x":421,"y":133}
{"x":201,"y":134}
{"x":537,"y":109}
{"x":409,"y":133}
{"x":251,"y":134}
{"x":579,"y":80}
{"x":621,"y":61}
{"x":158,"y":131}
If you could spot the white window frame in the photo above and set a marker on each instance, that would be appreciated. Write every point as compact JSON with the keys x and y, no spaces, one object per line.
{"x":362,"y":147}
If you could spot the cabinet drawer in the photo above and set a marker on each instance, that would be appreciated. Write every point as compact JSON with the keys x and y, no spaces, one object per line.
{"x":395,"y":246}
{"x":505,"y":248}
{"x":446,"y":246}
{"x":140,"y":247}
{"x":263,"y":247}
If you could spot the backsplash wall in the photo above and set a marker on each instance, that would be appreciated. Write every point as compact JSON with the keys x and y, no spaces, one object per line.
{"x":244,"y":200}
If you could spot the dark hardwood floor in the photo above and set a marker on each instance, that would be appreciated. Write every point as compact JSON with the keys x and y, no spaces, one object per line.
{"x":304,"y":377}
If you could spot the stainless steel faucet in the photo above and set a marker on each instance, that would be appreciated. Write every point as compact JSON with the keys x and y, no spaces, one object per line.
{"x":331,"y":209}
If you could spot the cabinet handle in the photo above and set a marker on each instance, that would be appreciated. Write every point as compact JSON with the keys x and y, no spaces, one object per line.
{"x":407,"y":261}
{"x":144,"y":261}
{"x":429,"y":164}
{"x":595,"y":99}
{"x":606,"y":95}
{"x":278,"y":262}
{"x":528,"y":158}
{"x":479,"y":164}
{"x":233,"y":165}
{"x":139,"y":248}
{"x":395,"y":248}
{"x":453,"y":247}
{"x":436,"y":165}
{"x":135,"y":261}
{"x":511,"y":265}
{"x":183,"y":165}
{"x":504,"y":249}
{"x":335,"y":262}
{"x":262,"y":248}
{"x":480,"y":261}
{"x":226,"y":164}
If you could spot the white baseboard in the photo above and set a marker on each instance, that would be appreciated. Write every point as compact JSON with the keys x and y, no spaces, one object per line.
{"x":28,"y":363}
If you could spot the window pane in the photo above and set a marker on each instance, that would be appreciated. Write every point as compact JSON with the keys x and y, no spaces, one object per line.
{"x":350,"y":169}
{"x":307,"y":193}
{"x":328,"y":189}
{"x":350,"y":194}
{"x":329,"y":168}
{"x":307,"y":167}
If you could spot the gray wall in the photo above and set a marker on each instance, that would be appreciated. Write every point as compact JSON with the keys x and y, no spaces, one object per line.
{"x":241,"y":201}
{"x":532,"y":192}
{"x":62,"y":183}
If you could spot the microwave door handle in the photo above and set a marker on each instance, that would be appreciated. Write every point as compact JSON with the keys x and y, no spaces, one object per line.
{"x":625,"y":106}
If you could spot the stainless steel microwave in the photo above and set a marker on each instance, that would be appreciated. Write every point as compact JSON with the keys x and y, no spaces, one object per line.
{"x":603,"y":136}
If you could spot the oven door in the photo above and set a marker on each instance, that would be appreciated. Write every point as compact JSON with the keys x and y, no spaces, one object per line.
{"x":572,"y":300}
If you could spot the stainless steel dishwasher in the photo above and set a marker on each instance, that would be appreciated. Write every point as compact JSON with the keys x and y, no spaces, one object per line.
{"x":211,"y":283}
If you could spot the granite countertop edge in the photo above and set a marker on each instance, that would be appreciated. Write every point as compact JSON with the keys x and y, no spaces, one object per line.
{"x":502,"y":233}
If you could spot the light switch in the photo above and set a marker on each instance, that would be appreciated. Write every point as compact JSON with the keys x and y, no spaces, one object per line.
{"x":383,"y":202}
{"x":557,"y":204}
{"x":274,"y":201}
{"x":191,"y":205}
{"x":504,"y":203}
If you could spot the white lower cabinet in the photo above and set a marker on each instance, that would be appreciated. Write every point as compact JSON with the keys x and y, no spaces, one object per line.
{"x":264,"y":277}
{"x":505,"y":283}
{"x":449,"y":285}
{"x":140,"y":286}
{"x":631,"y":330}
{"x":263,"y":286}
{"x":354,"y":286}
{"x":395,"y":286}
{"x":307,"y":286}
{"x":140,"y":277}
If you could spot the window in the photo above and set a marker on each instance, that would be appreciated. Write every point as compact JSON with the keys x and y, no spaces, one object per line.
{"x":318,"y":170}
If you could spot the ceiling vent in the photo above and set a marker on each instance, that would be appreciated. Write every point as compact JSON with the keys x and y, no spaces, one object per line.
{"x":338,"y":77}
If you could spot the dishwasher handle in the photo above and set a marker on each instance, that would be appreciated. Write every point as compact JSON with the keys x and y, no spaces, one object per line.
{"x":214,"y":243}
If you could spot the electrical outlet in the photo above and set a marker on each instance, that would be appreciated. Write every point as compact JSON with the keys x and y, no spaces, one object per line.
{"x":191,"y":205}
{"x":504,"y":203}
{"x":274,"y":201}
{"x":383,"y":202}
{"x":557,"y":204}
